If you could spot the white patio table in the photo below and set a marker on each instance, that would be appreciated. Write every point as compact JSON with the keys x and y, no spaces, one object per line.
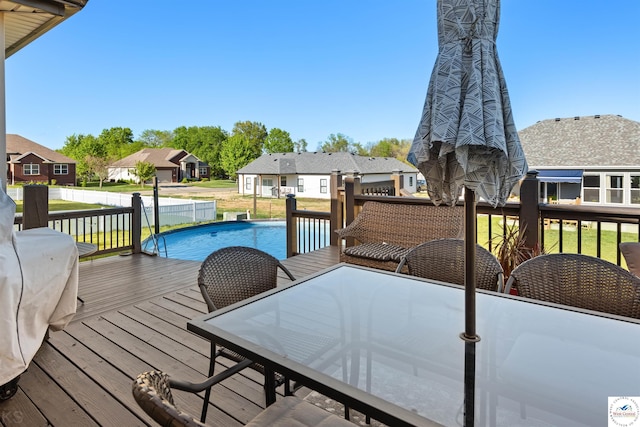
{"x":399,"y":358}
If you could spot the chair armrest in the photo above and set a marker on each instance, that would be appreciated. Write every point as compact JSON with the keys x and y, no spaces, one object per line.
{"x":198,"y":387}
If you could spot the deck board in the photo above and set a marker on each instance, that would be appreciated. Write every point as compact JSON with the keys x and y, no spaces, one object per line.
{"x":133,"y":319}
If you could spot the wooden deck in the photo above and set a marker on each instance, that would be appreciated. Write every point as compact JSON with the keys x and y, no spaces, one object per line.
{"x":134,"y":319}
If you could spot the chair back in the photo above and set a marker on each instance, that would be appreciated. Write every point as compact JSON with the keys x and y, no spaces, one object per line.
{"x":152,"y":392}
{"x":231,"y":274}
{"x":578,"y":280}
{"x":443,"y":260}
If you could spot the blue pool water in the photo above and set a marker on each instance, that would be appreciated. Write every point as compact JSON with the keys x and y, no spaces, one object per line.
{"x":195,"y":243}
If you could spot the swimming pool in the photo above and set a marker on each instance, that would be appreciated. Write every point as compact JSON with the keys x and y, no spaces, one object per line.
{"x":195,"y":243}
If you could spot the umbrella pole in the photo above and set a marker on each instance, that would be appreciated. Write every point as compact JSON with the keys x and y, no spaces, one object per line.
{"x":469,"y":383}
{"x":469,"y":333}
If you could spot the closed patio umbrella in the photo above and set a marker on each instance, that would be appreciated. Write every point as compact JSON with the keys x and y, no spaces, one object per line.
{"x":467,"y":137}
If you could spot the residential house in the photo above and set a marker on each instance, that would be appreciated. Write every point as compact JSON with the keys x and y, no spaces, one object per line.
{"x":28,"y":161}
{"x":308,"y":174}
{"x":172,"y":165}
{"x":593,"y":158}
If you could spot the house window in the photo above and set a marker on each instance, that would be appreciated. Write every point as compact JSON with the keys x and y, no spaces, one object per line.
{"x":615,"y":189}
{"x":635,"y":189}
{"x":31,"y":169}
{"x":591,"y":184}
{"x":247,"y":183}
{"x":283,"y":181}
{"x":202,"y":171}
{"x":60,"y":169}
{"x":323,"y":186}
{"x":410,"y":181}
{"x":300,"y":185}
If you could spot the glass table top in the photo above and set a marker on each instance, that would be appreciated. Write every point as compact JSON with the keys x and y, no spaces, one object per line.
{"x":397,"y":338}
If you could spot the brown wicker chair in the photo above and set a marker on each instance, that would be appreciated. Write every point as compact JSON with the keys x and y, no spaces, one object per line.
{"x":580,"y":281}
{"x":443,"y":260}
{"x":233,"y":274}
{"x":152,"y":392}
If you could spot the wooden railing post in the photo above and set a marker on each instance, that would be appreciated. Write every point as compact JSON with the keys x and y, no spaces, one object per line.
{"x":292,"y":227}
{"x":529,"y":209}
{"x":35,"y":212}
{"x":136,"y":223}
{"x":351,"y":188}
{"x":335,"y":221}
{"x":398,"y":183}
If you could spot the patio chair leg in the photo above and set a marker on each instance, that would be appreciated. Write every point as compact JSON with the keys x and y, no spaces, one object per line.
{"x":207,"y":393}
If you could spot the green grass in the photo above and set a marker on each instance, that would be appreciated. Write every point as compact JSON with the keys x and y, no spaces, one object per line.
{"x":215,"y":183}
{"x":589,"y":239}
{"x":63,"y":205}
{"x":132,"y":188}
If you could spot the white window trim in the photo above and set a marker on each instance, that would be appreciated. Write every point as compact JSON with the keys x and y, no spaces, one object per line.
{"x":32,"y":166}
{"x":63,"y":169}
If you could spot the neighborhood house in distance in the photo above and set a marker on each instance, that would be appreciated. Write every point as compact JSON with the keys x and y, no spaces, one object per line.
{"x":308,"y":174}
{"x":582,"y":159}
{"x":172,"y":165}
{"x":30,"y":162}
{"x":586,"y":159}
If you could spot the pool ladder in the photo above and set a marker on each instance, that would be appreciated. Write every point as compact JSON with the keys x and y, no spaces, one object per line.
{"x":152,"y":237}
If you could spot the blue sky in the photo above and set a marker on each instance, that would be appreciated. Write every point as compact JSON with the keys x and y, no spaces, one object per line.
{"x":312,"y":68}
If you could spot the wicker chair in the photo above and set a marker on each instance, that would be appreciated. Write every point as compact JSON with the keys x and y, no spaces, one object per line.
{"x":443,"y":260}
{"x":580,"y":281}
{"x":387,"y":231}
{"x":152,"y":392}
{"x":233,"y":274}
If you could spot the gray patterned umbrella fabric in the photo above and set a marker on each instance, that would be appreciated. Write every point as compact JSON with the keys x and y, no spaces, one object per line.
{"x":467,"y":137}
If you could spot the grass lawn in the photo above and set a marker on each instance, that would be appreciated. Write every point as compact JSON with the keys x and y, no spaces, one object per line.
{"x":120,"y":187}
{"x":63,"y":205}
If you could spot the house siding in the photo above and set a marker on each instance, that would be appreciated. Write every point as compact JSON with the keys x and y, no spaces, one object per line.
{"x":312,"y":184}
{"x":46,"y":174}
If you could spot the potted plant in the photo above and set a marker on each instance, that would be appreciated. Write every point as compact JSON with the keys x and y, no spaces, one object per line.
{"x":511,"y":250}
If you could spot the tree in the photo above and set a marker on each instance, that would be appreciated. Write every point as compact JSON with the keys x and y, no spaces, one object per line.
{"x":238,"y":151}
{"x":99,"y":167}
{"x":203,"y":142}
{"x":255,"y":134}
{"x":300,"y":146}
{"x":278,"y":141}
{"x":391,"y":147}
{"x":341,"y":143}
{"x":83,"y":148}
{"x":144,"y":171}
{"x":156,"y":138}
{"x":119,"y":142}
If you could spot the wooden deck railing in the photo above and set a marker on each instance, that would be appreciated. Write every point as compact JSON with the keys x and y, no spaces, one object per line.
{"x":593,"y":230}
{"x":110,"y":229}
{"x":307,"y":231}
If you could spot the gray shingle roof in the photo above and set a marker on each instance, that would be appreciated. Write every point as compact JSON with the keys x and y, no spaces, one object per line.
{"x":322,"y":164}
{"x":18,"y":146}
{"x":159,"y":157}
{"x":606,"y":140}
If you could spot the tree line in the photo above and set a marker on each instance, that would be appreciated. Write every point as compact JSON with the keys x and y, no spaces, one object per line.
{"x":224,"y":152}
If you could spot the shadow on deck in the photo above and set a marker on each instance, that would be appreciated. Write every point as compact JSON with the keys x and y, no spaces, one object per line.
{"x":134,"y":319}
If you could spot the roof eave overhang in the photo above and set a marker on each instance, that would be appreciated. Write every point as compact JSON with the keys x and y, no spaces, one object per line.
{"x":49,"y":14}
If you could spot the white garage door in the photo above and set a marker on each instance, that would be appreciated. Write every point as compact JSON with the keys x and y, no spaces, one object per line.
{"x":163,"y":176}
